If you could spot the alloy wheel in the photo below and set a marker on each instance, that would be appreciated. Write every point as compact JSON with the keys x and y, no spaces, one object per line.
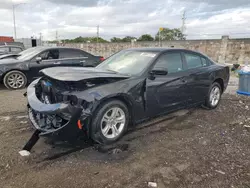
{"x":113,"y":122}
{"x":215,"y":95}
{"x":16,"y":81}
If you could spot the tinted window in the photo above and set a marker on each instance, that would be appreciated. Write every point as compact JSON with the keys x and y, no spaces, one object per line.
{"x":50,"y":54}
{"x":4,"y":49}
{"x":171,"y":61}
{"x":204,"y":62}
{"x":16,"y":49}
{"x":72,"y":53}
{"x":193,"y":61}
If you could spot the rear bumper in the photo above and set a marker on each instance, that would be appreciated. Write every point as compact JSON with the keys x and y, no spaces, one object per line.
{"x":69,"y":113}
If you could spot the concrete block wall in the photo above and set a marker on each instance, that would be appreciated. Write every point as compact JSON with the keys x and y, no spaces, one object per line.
{"x":224,"y":50}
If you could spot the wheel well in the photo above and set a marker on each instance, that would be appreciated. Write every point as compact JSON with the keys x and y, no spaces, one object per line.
{"x":220,"y":81}
{"x":122,"y":99}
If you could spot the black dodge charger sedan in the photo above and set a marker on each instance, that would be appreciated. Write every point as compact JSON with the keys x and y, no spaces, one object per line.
{"x":16,"y":70}
{"x":129,"y":87}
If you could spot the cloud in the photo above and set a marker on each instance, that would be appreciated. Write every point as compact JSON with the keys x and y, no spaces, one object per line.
{"x":85,"y":3}
{"x":205,"y":18}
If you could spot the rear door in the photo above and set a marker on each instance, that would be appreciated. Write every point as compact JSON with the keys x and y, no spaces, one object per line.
{"x":198,"y":81}
{"x":167,"y":92}
{"x":76,"y":57}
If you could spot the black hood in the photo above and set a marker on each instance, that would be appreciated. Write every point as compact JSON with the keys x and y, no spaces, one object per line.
{"x":79,"y":73}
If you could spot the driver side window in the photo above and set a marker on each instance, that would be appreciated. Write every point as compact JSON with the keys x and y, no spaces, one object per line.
{"x":49,"y":54}
{"x":171,"y":60}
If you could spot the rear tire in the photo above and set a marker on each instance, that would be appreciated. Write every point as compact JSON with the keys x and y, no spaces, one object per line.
{"x":15,"y":80}
{"x":110,"y":122}
{"x":213,"y":96}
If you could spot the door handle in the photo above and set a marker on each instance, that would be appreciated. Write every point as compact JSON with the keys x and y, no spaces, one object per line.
{"x":57,"y":63}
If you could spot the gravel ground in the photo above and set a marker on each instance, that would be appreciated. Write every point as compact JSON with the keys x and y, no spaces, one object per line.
{"x":189,"y":148}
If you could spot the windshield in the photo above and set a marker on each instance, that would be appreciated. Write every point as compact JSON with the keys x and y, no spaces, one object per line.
{"x":128,"y":62}
{"x":28,"y":54}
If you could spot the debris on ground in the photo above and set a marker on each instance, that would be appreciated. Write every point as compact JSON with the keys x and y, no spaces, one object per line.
{"x":152,"y":184}
{"x":221,"y":172}
{"x":24,"y":153}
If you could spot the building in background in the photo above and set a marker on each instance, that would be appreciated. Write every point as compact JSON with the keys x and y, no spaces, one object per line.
{"x":29,"y":42}
{"x":6,"y":39}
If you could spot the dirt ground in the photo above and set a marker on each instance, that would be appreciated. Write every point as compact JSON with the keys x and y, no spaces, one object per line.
{"x":190,"y":148}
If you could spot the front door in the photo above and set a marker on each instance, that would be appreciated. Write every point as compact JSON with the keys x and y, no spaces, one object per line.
{"x":167,"y":92}
{"x":49,"y":58}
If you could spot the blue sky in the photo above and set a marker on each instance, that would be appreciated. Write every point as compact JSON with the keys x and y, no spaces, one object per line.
{"x":72,"y":18}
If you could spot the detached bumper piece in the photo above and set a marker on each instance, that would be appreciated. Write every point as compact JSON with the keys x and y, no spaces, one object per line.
{"x":52,"y":119}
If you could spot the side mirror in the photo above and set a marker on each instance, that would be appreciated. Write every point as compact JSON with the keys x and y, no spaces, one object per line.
{"x":159,"y":71}
{"x":38,"y":59}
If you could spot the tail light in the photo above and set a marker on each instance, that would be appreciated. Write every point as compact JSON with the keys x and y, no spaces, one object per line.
{"x":102,"y":58}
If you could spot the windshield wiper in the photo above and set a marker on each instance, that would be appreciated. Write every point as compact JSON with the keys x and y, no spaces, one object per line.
{"x":118,"y":72}
{"x":112,"y":70}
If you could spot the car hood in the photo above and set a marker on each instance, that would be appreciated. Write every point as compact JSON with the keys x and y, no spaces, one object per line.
{"x":79,"y":73}
{"x":9,"y":60}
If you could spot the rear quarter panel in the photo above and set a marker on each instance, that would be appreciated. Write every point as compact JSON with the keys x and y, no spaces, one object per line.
{"x":220,"y":71}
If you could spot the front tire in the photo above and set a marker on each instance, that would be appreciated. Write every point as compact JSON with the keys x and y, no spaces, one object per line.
{"x":15,"y":80}
{"x":214,"y":96}
{"x":110,"y":122}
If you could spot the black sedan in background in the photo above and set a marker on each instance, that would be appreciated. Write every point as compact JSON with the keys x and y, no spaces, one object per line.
{"x":10,"y":49}
{"x":17,"y":70}
{"x":129,"y":87}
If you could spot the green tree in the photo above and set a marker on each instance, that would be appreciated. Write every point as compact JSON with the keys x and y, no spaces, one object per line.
{"x":115,"y":39}
{"x":84,"y":40}
{"x":145,"y":37}
{"x":128,"y":39}
{"x":170,"y":34}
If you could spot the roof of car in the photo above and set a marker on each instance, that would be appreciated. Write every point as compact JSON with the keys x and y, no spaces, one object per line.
{"x":53,"y":47}
{"x":9,"y":45}
{"x":157,"y":49}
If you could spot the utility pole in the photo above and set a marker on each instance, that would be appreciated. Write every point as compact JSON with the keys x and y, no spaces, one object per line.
{"x":160,"y":30}
{"x":14,"y":17}
{"x":183,"y":26}
{"x":41,"y":36}
{"x":56,"y":36}
{"x":14,"y":20}
{"x":97,"y":34}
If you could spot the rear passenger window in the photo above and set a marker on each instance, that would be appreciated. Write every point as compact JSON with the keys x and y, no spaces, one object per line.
{"x":193,"y":61}
{"x":15,"y":49}
{"x":4,"y":49}
{"x":72,"y":53}
{"x":172,"y":61}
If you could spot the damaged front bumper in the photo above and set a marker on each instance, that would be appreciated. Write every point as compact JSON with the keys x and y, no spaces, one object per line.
{"x":53,"y":119}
